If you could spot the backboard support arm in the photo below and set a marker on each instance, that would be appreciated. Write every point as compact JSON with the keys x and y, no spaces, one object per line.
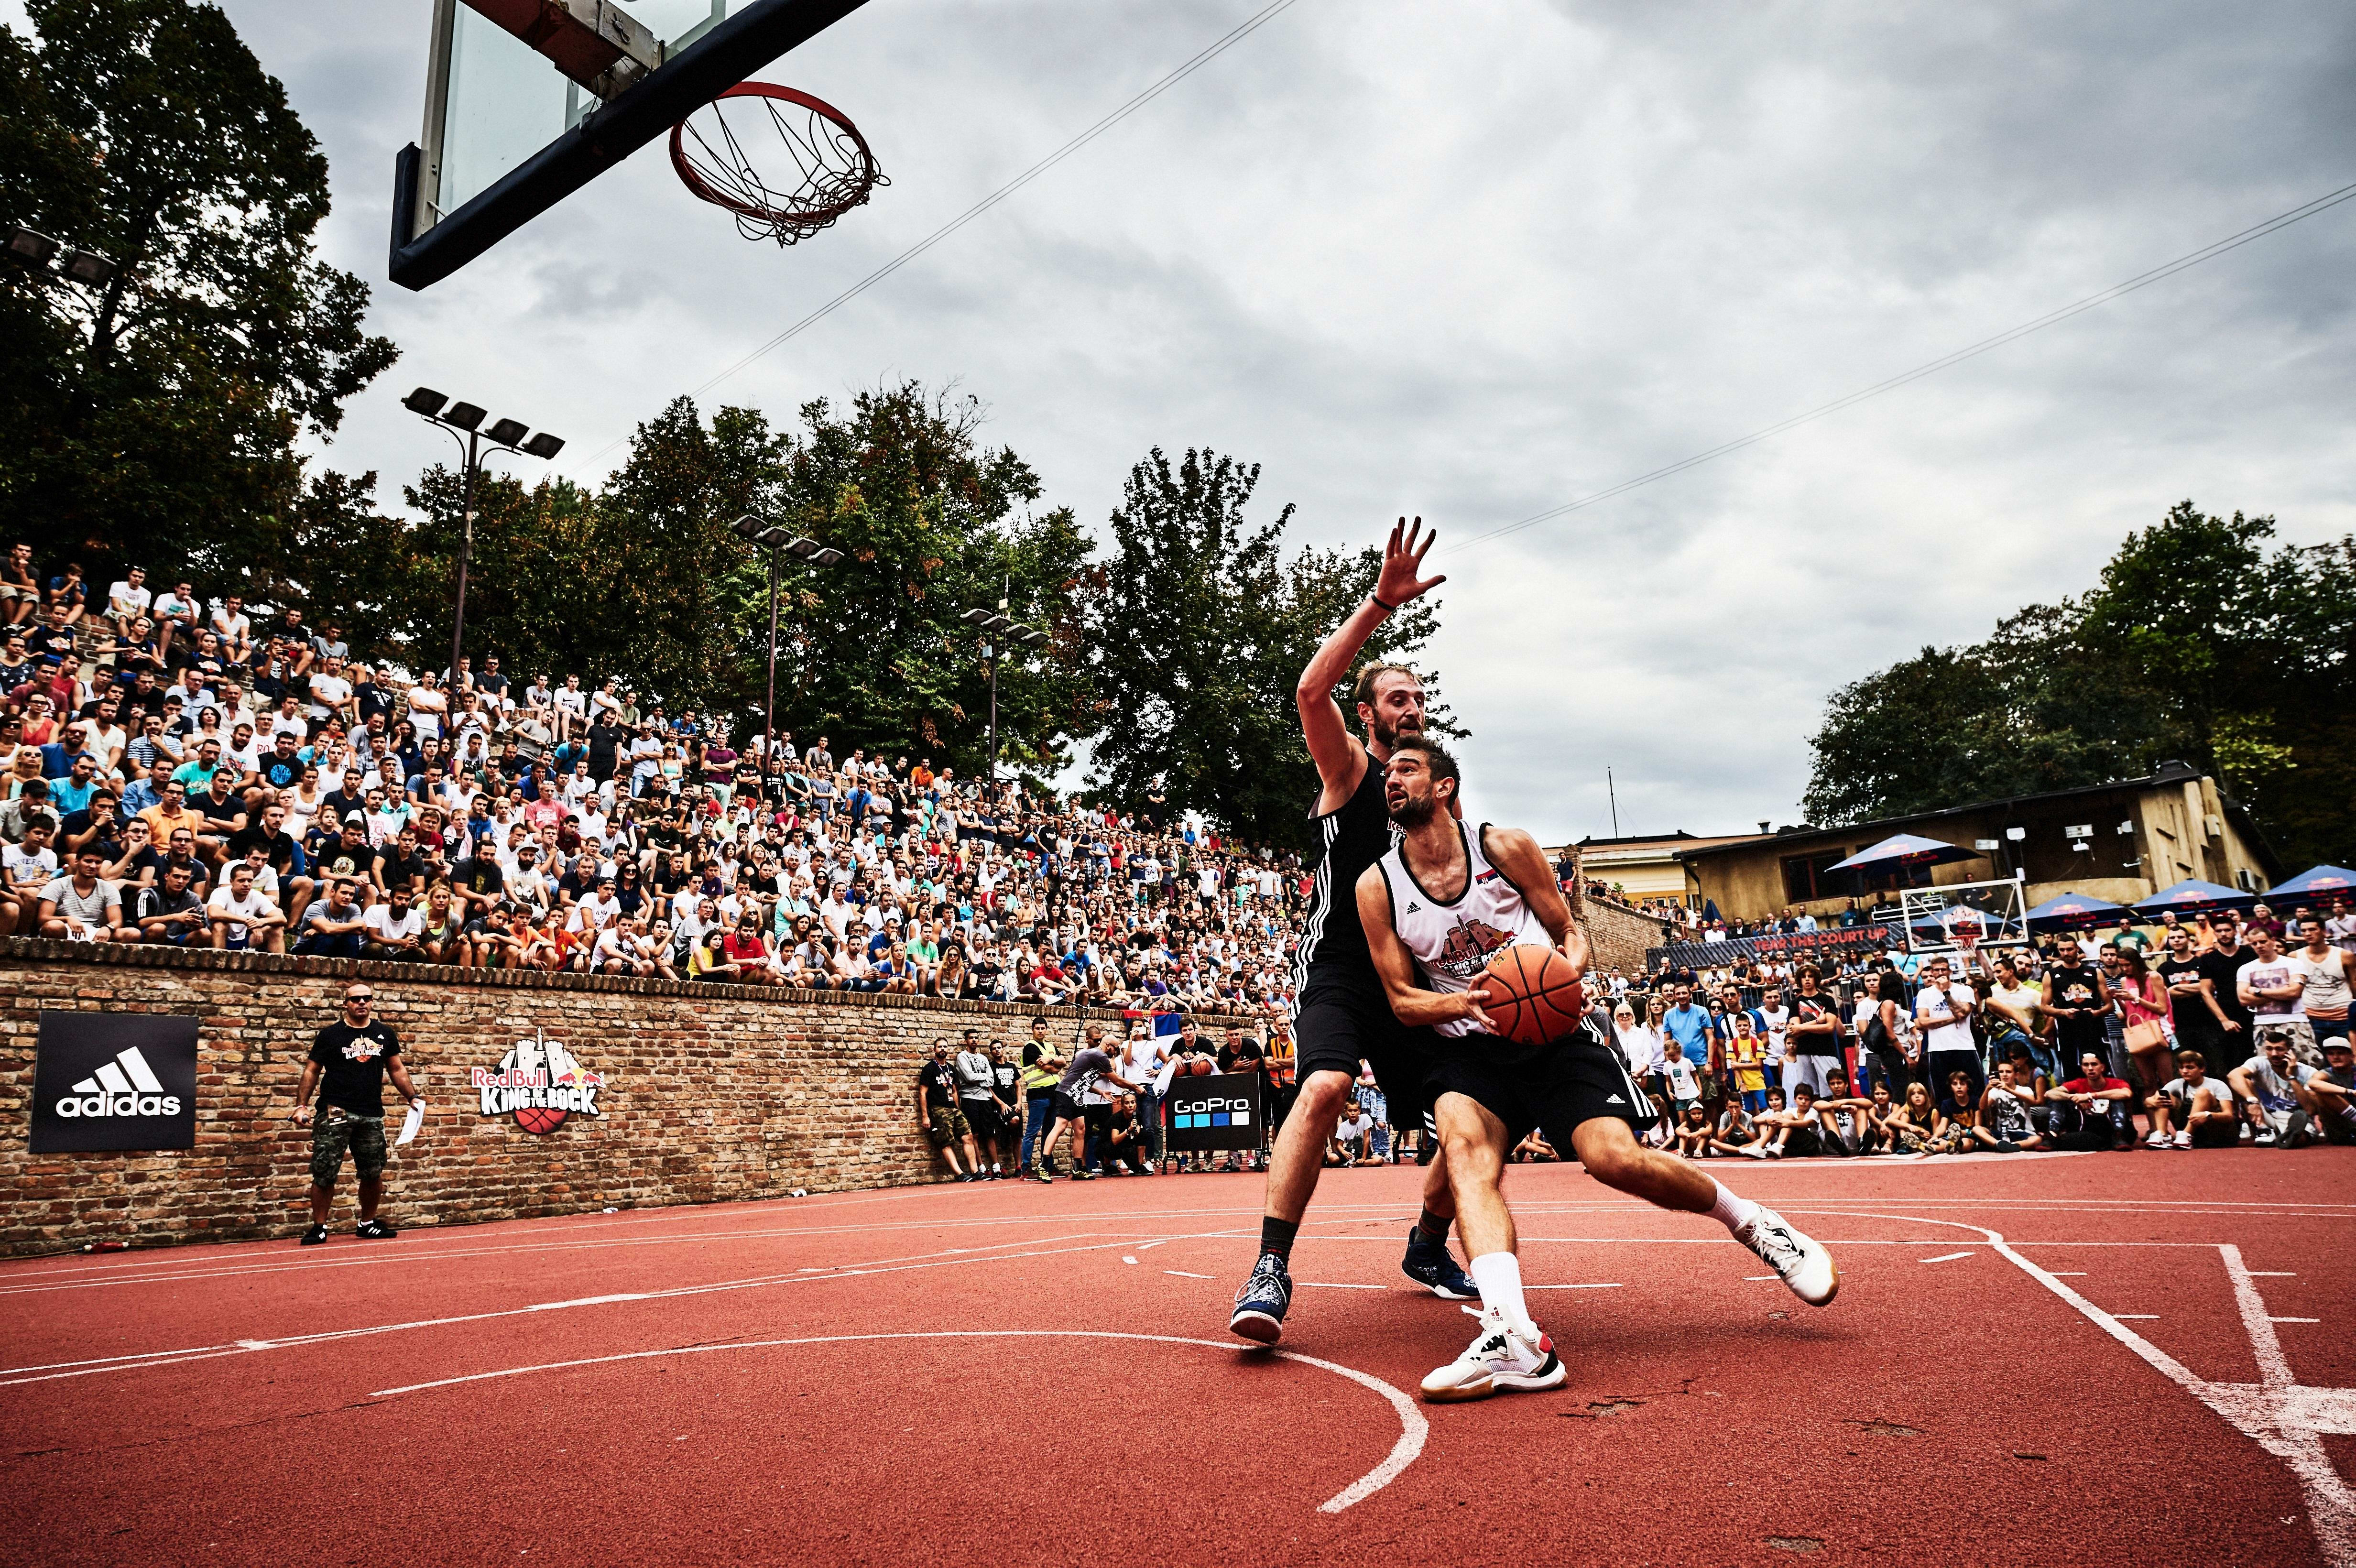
{"x":731,"y":51}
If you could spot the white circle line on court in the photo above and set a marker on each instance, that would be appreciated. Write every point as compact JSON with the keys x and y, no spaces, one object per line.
{"x":1413,"y":1428}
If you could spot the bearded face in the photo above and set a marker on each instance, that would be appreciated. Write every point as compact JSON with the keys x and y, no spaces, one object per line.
{"x":1410,"y":793}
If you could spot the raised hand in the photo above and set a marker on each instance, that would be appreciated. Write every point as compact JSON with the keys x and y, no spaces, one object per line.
{"x":1402,"y":559}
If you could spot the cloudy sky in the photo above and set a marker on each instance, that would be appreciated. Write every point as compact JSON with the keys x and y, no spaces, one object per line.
{"x":1474,"y":262}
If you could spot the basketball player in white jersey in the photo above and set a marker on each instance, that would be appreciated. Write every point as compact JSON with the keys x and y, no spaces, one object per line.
{"x":1435,"y":909}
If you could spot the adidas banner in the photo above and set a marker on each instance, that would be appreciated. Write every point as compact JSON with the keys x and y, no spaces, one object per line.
{"x":114,"y":1081}
{"x":1226,"y":1110}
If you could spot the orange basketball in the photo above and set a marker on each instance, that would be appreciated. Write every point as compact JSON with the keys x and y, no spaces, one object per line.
{"x":1203,"y":1067}
{"x":1533,"y":995}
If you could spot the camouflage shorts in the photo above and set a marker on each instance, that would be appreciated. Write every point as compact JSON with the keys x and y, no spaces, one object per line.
{"x":334,"y":1134}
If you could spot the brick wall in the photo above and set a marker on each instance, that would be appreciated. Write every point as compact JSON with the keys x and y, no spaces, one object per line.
{"x":712,"y":1092}
{"x":1617,"y":936}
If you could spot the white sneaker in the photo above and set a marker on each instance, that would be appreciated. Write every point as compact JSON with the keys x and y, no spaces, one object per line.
{"x":1798,"y":1260}
{"x":2157,"y":1140}
{"x":1503,"y":1357}
{"x":2184,"y":1140}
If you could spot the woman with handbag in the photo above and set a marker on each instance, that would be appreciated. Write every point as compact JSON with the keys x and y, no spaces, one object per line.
{"x":2143,"y":1004}
{"x":1887,"y":1033}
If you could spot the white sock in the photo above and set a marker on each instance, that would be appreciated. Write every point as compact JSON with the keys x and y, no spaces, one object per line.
{"x":1499,"y":1276}
{"x":1729,"y":1210}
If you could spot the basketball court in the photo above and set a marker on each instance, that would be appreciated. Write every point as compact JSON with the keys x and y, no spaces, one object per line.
{"x":2091,"y":1359}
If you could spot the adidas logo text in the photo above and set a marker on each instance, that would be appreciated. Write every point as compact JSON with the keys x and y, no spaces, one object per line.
{"x":125,"y":1086}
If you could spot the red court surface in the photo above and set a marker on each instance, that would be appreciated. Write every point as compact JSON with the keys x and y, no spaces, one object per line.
{"x":2103,"y":1358}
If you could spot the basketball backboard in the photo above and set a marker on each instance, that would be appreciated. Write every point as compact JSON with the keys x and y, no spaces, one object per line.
{"x":513,"y":127}
{"x":1979,"y":915}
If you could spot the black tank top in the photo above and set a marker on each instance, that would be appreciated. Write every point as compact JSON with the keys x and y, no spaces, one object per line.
{"x":1357,"y":834}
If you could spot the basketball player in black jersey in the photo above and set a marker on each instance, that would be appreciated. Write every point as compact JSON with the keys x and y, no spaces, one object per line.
{"x":1340,"y":1016}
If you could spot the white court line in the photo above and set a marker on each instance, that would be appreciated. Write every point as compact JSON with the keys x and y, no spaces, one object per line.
{"x":1332,"y":1285}
{"x":2294,"y":1320}
{"x":1614,"y":1285}
{"x":1945,"y":1258}
{"x":55,"y":1370}
{"x":2069,"y":1274}
{"x":1413,"y":1428}
{"x":2136,"y":1317}
{"x":1182,"y":1274}
{"x":2265,"y":1413}
{"x":1127,"y":1260}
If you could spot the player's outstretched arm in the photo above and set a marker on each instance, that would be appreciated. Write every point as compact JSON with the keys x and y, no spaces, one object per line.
{"x":1516,"y":853}
{"x":1411,"y":1002}
{"x":1342,"y":761}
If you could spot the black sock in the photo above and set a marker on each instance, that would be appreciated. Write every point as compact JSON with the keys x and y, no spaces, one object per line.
{"x":1434,"y":1226}
{"x":1276,"y":1236}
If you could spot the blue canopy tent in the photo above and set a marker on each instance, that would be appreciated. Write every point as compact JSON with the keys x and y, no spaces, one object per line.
{"x":2074,"y":911}
{"x":1904,"y":850}
{"x":2315,"y":880}
{"x":2192,"y":895}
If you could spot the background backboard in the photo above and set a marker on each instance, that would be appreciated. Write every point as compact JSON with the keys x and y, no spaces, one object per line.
{"x":507,"y":134}
{"x":1995,"y":914}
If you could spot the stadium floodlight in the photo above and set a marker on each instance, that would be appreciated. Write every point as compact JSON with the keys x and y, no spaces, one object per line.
{"x":31,"y":247}
{"x":976,"y":617}
{"x":801,"y":547}
{"x":507,"y":432}
{"x":747,"y":527}
{"x":543,"y":445}
{"x":998,"y":624}
{"x":773,"y":536}
{"x":424,"y":401}
{"x":89,"y":267}
{"x":466,"y":416}
{"x":827,"y":556}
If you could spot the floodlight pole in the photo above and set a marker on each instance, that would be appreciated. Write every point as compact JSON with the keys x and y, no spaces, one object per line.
{"x":770,"y":704}
{"x":466,"y":558}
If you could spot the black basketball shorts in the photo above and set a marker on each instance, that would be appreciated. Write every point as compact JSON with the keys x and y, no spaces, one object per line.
{"x":1555,"y":1086}
{"x":1337,"y":1027}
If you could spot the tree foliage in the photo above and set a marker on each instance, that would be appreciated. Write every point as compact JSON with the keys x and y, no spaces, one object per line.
{"x":153,"y":419}
{"x":645,"y":578}
{"x":2198,"y":642}
{"x":1197,"y":631}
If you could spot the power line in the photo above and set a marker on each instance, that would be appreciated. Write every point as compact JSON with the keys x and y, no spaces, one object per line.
{"x":2011,"y":334}
{"x":1208,"y":53}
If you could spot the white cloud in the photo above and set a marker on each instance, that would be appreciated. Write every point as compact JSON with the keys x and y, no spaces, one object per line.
{"x":1474,"y":262}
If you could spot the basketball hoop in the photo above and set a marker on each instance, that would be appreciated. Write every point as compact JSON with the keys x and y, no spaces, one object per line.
{"x":837,"y":171}
{"x":1966,"y":934}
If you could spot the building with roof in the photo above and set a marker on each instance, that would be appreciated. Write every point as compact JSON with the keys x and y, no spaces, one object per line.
{"x":2122,"y":841}
{"x":1645,"y":868}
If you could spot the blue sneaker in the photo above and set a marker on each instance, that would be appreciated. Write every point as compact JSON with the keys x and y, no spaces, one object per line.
{"x":1260,"y":1304}
{"x":1430,"y":1264}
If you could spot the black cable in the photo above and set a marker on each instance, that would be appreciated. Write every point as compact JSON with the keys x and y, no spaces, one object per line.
{"x":2142,"y":280}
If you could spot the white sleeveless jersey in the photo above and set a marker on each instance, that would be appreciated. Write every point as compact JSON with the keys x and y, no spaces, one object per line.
{"x":1452,"y":942}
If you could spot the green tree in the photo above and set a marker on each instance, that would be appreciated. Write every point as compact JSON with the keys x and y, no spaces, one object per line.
{"x":2197,"y":642}
{"x":154,"y":418}
{"x":645,"y":578}
{"x":1197,"y":632}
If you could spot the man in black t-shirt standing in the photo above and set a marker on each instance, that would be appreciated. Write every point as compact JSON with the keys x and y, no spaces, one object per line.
{"x":349,"y":1063}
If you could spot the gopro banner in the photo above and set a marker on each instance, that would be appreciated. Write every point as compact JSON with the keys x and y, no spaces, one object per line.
{"x":114,"y":1081}
{"x":1222,"y":1111}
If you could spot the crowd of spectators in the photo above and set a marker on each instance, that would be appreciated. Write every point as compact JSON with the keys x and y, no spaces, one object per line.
{"x":191,"y":772}
{"x":2224,"y":1029}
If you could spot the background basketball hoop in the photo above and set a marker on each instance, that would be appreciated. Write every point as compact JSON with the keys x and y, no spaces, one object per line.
{"x":834,"y":170}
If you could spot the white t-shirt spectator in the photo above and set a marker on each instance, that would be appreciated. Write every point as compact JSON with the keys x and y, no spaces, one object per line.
{"x":1642,"y":1046}
{"x":380,"y":923}
{"x":239,"y":911}
{"x":1351,"y":1131}
{"x":170,"y":606}
{"x":1685,"y":1082}
{"x":1944,"y":1029}
{"x":126,"y":600}
{"x":2260,"y":974}
{"x":330,"y":693}
{"x":2274,"y":1093}
{"x":21,"y":867}
{"x":235,"y":629}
